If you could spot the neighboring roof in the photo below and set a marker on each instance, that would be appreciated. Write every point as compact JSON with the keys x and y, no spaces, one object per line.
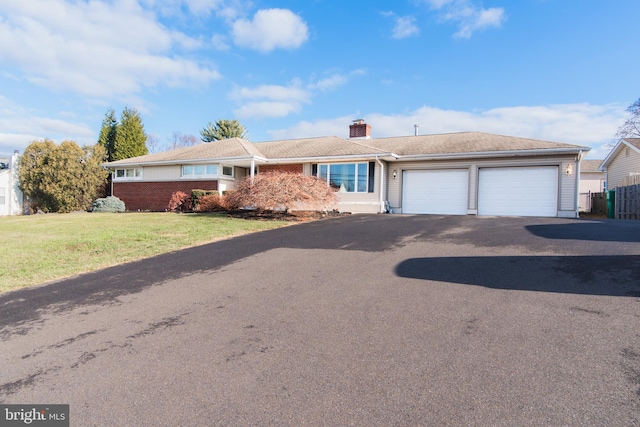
{"x":590,"y":166}
{"x":463,"y":144}
{"x":633,"y":143}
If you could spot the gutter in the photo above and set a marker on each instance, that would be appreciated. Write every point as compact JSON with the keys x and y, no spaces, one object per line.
{"x":382,"y":178}
{"x":484,"y":154}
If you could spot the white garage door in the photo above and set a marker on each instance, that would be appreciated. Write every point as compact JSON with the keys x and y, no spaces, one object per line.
{"x":439,"y":192}
{"x":526,"y":191}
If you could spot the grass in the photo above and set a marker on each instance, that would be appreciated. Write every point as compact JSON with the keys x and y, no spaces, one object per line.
{"x":40,"y":248}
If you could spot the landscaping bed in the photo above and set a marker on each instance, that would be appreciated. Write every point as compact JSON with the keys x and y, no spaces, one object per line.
{"x":295,"y":216}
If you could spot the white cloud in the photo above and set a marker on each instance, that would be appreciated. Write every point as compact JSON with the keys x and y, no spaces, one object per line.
{"x":270,"y":100}
{"x":405,"y":27}
{"x":268,"y":109}
{"x":580,"y":124}
{"x":280,"y":101}
{"x":219,"y":42}
{"x":270,"y":29}
{"x":468,"y":16}
{"x":95,"y":48}
{"x":20,"y":126}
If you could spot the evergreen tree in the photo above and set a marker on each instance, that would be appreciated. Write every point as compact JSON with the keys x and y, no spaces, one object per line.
{"x":62,"y":178}
{"x":130,"y":141}
{"x":223,"y":129}
{"x":108,"y":134}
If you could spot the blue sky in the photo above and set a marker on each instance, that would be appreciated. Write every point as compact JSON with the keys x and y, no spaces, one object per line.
{"x":560,"y":70}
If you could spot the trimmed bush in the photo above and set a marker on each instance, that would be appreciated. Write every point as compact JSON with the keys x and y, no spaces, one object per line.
{"x":216,"y":203}
{"x":197,"y":194}
{"x":108,"y":204}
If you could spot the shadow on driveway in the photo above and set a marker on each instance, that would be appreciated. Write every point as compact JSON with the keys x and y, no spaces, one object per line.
{"x":588,"y":275}
{"x":601,"y":231}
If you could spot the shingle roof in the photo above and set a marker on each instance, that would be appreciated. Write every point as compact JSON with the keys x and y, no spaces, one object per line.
{"x":333,"y":146}
{"x":590,"y":165}
{"x":315,"y":147}
{"x":226,"y":149}
{"x":463,"y":142}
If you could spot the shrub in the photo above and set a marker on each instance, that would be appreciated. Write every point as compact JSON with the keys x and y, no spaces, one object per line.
{"x":180,"y":202}
{"x":278,"y":190}
{"x":216,"y":203}
{"x":196,"y":195}
{"x":108,"y":204}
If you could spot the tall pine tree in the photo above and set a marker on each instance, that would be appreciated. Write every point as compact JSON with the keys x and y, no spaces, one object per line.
{"x":108,"y":133}
{"x":130,"y":141}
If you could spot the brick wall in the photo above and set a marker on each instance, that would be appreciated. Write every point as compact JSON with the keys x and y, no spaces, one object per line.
{"x":281,"y":168}
{"x":155,"y":196}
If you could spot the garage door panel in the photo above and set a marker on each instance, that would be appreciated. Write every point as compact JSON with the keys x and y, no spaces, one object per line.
{"x":518,"y":191}
{"x":438,"y":192}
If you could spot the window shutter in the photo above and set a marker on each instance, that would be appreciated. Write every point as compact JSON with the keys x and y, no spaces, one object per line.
{"x":372,"y":172}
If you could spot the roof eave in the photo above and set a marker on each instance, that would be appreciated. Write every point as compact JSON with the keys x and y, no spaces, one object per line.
{"x":112,"y":165}
{"x":486,"y":154}
{"x":319,"y":159}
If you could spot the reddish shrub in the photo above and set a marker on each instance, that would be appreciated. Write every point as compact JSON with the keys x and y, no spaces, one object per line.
{"x":279,"y":190}
{"x":180,"y":202}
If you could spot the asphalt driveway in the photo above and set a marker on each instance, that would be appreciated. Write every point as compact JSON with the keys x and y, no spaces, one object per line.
{"x":359,"y":320}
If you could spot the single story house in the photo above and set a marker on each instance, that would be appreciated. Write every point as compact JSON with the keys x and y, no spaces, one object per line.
{"x":591,"y":181}
{"x":467,"y":173}
{"x":10,"y":193}
{"x":622,"y":164}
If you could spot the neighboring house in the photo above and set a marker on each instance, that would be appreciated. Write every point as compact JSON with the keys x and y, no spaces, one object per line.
{"x":591,"y":181}
{"x":10,"y":194}
{"x":450,"y":174}
{"x":622,"y":164}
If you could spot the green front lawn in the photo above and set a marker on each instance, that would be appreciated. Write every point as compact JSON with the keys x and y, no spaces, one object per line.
{"x":39,"y":248}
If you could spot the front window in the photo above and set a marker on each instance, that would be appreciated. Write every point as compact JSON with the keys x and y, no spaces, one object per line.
{"x":125,"y":174}
{"x":346,"y":177}
{"x":199,"y":171}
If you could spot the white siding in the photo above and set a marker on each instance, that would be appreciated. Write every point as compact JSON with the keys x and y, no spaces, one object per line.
{"x":161,"y":173}
{"x":621,"y":166}
{"x":568,"y":190}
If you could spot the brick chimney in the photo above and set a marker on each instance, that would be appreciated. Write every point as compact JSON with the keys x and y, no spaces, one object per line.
{"x":360,"y":129}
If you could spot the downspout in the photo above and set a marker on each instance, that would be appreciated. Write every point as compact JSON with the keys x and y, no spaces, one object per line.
{"x":253,"y":167}
{"x":578,"y":184}
{"x":382,"y":177}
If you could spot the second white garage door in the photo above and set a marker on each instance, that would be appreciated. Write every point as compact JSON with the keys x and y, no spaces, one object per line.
{"x":524,"y":191}
{"x":438,"y":192}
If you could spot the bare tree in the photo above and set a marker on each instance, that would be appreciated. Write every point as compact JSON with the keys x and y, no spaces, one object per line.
{"x":178,"y":139}
{"x":631,"y":127}
{"x":153,"y":143}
